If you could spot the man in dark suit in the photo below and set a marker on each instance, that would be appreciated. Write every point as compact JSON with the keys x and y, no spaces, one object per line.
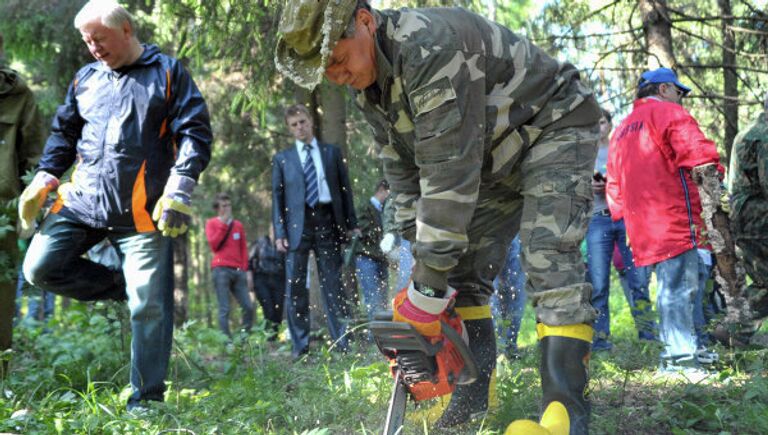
{"x":312,"y":208}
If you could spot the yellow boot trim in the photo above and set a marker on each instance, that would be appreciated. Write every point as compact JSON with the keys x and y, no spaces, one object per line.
{"x":579,"y":331}
{"x":474,"y":313}
{"x":554,"y":421}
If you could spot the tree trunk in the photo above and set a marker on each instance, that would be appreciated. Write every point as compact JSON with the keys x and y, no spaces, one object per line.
{"x":205,"y":284}
{"x":730,"y":81}
{"x":658,"y":33}
{"x":180,"y":280}
{"x":491,"y":9}
{"x":333,"y":108}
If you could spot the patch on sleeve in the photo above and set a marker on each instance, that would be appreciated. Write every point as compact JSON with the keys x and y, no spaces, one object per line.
{"x":428,"y":97}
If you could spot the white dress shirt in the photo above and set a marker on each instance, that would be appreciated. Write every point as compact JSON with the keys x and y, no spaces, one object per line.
{"x":324,"y":193}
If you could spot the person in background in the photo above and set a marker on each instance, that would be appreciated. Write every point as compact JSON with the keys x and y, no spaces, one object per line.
{"x":603,"y":235}
{"x":312,"y":209}
{"x":41,"y":304}
{"x":749,"y":213}
{"x":21,"y":142}
{"x":396,"y":248}
{"x":655,"y":156}
{"x":268,"y":270}
{"x":227,"y":240}
{"x":371,"y":263}
{"x":508,"y":303}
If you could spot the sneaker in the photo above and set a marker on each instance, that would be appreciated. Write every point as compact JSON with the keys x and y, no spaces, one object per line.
{"x":140,"y":411}
{"x":706,"y":356}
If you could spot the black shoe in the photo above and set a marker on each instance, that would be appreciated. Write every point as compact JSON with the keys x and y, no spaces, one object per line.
{"x":296,"y":356}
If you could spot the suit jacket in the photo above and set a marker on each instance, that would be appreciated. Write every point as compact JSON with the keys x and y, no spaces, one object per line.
{"x":288,"y":191}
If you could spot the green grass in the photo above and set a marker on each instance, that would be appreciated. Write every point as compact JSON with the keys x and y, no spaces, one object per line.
{"x":73,"y":380}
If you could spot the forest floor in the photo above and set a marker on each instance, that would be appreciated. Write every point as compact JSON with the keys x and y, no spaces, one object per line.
{"x":72,"y":377}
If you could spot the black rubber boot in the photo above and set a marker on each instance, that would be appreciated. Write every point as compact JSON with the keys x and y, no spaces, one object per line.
{"x":470,"y":400}
{"x":564,"y":377}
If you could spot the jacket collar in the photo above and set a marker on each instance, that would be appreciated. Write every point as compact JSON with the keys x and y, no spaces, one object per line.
{"x":150,"y":55}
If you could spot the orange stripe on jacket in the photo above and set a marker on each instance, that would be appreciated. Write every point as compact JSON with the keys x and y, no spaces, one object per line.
{"x":141,"y":217}
{"x":59,"y":203}
{"x":57,"y":206}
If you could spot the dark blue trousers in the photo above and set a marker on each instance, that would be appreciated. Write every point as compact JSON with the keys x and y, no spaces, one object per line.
{"x":319,"y":236}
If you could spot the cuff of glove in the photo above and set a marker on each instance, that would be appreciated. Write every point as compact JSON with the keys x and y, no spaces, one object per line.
{"x":429,"y":304}
{"x":45,"y":179}
{"x":424,"y":274}
{"x":180,"y":185}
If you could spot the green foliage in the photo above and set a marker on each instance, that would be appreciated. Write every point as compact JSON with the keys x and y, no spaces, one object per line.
{"x":7,"y":229}
{"x":73,"y":379}
{"x":606,"y":41}
{"x":40,"y":34}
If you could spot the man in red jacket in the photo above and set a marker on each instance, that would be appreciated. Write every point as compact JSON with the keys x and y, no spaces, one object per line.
{"x":652,"y":156}
{"x":226,"y":237}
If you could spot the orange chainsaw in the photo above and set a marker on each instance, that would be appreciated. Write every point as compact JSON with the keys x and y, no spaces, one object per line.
{"x":421,"y":369}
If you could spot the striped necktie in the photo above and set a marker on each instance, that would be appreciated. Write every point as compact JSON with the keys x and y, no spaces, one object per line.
{"x":310,"y":178}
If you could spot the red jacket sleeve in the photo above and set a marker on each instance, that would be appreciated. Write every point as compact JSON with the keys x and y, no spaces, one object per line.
{"x":689,"y":145}
{"x":613,"y":186}
{"x":214,"y":232}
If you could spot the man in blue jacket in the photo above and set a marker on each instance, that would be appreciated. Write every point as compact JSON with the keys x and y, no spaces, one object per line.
{"x":138,"y":132}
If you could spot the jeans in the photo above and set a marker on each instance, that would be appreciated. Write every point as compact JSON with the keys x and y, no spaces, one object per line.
{"x":270,"y":292}
{"x":228,"y":280}
{"x":405,"y":266}
{"x":700,"y":320}
{"x":603,"y":233}
{"x":34,"y":300}
{"x":373,"y":277}
{"x":678,"y":283}
{"x":54,"y":264}
{"x":508,"y":303}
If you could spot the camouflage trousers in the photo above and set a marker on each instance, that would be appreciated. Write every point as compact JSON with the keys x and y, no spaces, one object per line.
{"x":547,"y":198}
{"x":755,"y":258}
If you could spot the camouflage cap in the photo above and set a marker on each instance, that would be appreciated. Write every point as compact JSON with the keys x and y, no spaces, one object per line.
{"x":309,"y":30}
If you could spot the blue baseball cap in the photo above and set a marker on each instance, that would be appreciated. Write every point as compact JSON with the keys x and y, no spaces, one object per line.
{"x":662,"y":75}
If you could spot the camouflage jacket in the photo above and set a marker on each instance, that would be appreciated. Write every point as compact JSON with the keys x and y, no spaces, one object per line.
{"x":749,"y":181}
{"x":456,"y":101}
{"x":21,"y":132}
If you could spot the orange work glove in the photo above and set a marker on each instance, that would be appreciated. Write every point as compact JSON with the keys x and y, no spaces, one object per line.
{"x":421,"y":311}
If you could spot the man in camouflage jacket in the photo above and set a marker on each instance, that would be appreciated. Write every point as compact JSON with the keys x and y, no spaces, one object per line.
{"x":482,"y":135}
{"x":21,"y":141}
{"x":749,"y":206}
